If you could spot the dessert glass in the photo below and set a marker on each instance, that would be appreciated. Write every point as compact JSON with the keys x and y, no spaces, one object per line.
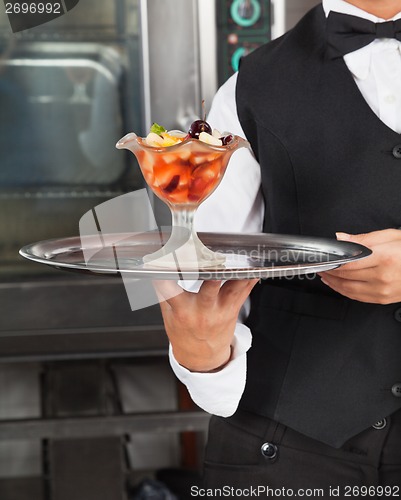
{"x":183,"y":176}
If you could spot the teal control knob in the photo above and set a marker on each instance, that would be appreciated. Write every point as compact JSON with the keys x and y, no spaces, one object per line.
{"x":245,"y":12}
{"x":236,"y":58}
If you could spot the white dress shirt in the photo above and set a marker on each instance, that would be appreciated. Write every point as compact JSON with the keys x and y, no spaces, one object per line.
{"x":237,"y":205}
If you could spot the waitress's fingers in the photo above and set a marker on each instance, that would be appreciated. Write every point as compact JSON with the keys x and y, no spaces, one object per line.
{"x":208,"y":293}
{"x":237,"y":291}
{"x":373,"y":238}
{"x":367,"y":274}
{"x":170,"y":292}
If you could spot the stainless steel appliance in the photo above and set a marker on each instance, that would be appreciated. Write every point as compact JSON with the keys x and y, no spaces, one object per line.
{"x":71,"y":88}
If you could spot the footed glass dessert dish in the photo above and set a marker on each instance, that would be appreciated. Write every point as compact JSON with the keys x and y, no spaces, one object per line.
{"x":183,"y":175}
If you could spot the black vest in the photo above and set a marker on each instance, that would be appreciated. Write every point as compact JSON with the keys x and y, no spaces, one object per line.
{"x":324,"y":365}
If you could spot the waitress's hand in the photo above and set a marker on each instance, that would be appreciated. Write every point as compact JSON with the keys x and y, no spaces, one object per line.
{"x":201,"y":326}
{"x":375,"y":279}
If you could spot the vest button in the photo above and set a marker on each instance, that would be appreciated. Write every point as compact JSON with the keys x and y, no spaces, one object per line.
{"x":381,"y":424}
{"x":397,"y":314}
{"x":269,"y":450}
{"x":396,"y":390}
{"x":397,"y":152}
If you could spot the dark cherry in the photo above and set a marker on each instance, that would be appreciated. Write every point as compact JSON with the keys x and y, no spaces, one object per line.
{"x":197,"y":127}
{"x":227,"y":139}
{"x":172,"y":185}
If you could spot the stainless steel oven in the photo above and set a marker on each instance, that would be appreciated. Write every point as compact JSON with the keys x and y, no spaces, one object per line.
{"x":71,"y":88}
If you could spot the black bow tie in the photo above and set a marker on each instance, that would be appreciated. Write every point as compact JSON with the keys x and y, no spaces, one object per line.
{"x":348,"y":33}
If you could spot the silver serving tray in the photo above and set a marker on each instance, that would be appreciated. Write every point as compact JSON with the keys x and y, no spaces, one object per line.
{"x":247,"y":255}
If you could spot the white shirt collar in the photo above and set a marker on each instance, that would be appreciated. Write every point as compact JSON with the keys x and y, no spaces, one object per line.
{"x":358,"y":62}
{"x":346,"y":8}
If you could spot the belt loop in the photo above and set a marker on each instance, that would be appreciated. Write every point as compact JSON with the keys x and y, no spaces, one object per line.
{"x":279,"y":433}
{"x":274,"y":432}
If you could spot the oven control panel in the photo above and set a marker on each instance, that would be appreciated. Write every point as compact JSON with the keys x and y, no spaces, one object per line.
{"x":243,"y":25}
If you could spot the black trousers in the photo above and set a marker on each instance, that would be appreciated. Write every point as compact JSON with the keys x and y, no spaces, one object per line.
{"x":250,"y":455}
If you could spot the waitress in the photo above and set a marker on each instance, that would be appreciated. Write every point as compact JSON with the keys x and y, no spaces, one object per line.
{"x":315,"y":402}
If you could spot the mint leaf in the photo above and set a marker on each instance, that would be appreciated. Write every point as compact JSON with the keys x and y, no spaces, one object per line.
{"x":157,"y":129}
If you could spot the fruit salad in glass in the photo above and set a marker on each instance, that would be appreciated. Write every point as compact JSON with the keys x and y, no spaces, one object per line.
{"x":183,"y":169}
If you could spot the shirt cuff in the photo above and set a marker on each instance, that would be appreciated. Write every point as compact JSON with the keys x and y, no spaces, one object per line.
{"x":219,"y":392}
